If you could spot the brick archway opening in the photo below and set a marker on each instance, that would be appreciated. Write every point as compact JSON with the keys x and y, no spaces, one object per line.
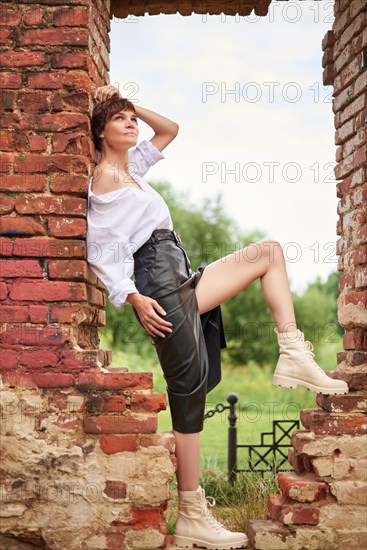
{"x":79,"y":444}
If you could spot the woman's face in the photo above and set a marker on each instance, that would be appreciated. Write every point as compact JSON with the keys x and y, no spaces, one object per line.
{"x":121,"y":131}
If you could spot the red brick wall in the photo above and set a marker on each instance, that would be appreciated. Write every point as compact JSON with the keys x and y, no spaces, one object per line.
{"x":323,"y":503}
{"x":53,"y":56}
{"x":64,"y":419}
{"x":345,"y":48}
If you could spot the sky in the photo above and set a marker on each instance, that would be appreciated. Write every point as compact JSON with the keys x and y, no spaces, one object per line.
{"x":255,"y":122}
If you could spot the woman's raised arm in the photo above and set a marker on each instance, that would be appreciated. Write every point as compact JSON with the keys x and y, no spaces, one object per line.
{"x":165,"y":129}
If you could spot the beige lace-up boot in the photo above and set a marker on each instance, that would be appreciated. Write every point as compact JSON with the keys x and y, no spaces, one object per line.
{"x":296,"y":366}
{"x":197,"y":526}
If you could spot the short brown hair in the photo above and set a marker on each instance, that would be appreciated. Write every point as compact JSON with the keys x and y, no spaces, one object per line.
{"x":103,"y":112}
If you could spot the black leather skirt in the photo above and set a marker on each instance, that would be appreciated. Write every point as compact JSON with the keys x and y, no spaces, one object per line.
{"x":190,"y":355}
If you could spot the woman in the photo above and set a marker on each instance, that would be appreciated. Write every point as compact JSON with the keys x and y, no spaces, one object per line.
{"x":130,"y":231}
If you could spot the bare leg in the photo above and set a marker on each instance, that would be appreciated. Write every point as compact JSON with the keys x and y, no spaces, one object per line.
{"x":229,"y":275}
{"x":220,"y":281}
{"x":187,"y":454}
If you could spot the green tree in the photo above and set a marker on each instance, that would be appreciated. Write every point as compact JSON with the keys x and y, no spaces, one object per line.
{"x":208,"y":233}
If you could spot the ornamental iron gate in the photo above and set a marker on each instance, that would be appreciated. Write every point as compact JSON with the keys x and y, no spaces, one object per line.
{"x":269,"y":455}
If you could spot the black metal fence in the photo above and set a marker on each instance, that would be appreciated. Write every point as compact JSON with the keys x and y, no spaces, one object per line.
{"x":271,"y":454}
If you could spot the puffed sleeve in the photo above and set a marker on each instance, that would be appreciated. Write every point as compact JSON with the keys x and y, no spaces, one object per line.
{"x":110,"y":256}
{"x":143,"y":156}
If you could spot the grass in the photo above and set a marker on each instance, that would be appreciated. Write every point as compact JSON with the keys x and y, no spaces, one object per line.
{"x":235,"y":504}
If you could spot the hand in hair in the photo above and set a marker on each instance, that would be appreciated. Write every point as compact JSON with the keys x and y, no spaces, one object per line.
{"x":103,"y":93}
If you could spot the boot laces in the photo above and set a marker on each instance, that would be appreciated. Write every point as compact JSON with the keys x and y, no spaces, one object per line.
{"x":309,"y":348}
{"x":204,"y":508}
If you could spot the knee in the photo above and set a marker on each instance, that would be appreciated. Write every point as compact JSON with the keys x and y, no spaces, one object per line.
{"x":272,"y":250}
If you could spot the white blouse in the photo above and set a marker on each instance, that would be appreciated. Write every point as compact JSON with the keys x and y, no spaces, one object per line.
{"x":120,"y":221}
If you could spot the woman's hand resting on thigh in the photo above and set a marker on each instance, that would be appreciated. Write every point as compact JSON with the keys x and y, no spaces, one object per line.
{"x":145,"y":308}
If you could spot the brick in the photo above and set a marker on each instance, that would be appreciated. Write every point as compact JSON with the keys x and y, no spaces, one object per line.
{"x":162,"y":439}
{"x":34,"y":335}
{"x":68,"y":269}
{"x":59,"y":122}
{"x":39,"y":358}
{"x":274,"y":506}
{"x":10,"y":17}
{"x":66,"y":227}
{"x":355,"y":377}
{"x":20,"y":227}
{"x":296,"y":460}
{"x":33,"y":17}
{"x":353,"y":108}
{"x":115,"y":490}
{"x":344,"y":132}
{"x":115,"y":381}
{"x":37,"y":143}
{"x":84,"y":360}
{"x":345,"y":167}
{"x":153,"y":402}
{"x":75,"y":314}
{"x":353,"y":220}
{"x":351,"y":402}
{"x":327,"y":58}
{"x":71,"y":17}
{"x":20,"y":268}
{"x":349,"y":42}
{"x":355,"y":143}
{"x":141,"y":518}
{"x":328,"y":40}
{"x":13,"y":314}
{"x":336,"y":515}
{"x":360,"y":282}
{"x":72,"y":206}
{"x":359,"y":196}
{"x":328,"y":75}
{"x":298,"y":515}
{"x":3,"y":291}
{"x":42,"y":380}
{"x":10,"y":80}
{"x":268,"y":535}
{"x":53,"y":37}
{"x":353,"y":446}
{"x":120,"y":424}
{"x":68,"y":183}
{"x":6,"y":36}
{"x":10,"y":140}
{"x":350,"y":491}
{"x":97,"y":403}
{"x":360,"y":84}
{"x":48,"y":291}
{"x":22,"y":183}
{"x":322,"y":422}
{"x":348,"y":538}
{"x":34,"y":101}
{"x":6,"y":205}
{"x":59,"y":80}
{"x":112,"y":444}
{"x":114,"y":541}
{"x":346,"y":75}
{"x":353,"y":339}
{"x":9,"y":358}
{"x":301,"y":488}
{"x":21,"y":59}
{"x":47,"y":247}
{"x":69,"y":61}
{"x":38,"y":314}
